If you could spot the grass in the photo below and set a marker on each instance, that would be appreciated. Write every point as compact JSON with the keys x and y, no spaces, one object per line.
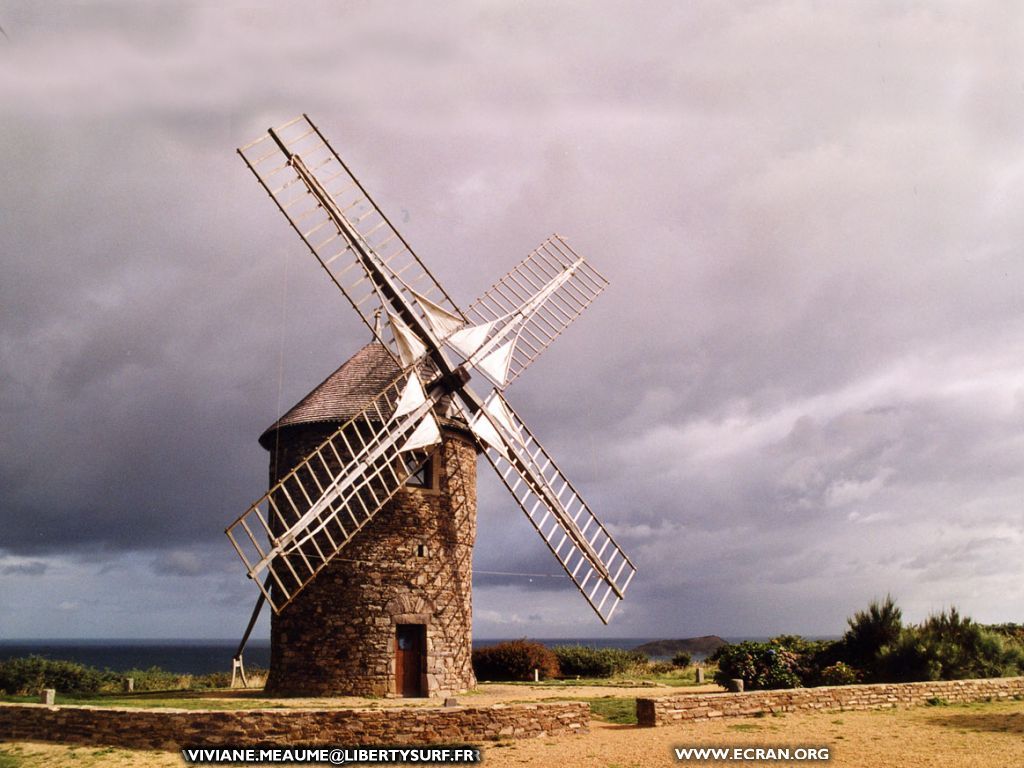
{"x":151,"y":699}
{"x":620,"y":710}
{"x":39,"y":755}
{"x":603,"y":682}
{"x":636,"y":677}
{"x":744,"y":727}
{"x":614,"y":709}
{"x":610,"y":708}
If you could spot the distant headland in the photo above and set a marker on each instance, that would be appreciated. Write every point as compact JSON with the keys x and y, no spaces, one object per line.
{"x":704,"y":645}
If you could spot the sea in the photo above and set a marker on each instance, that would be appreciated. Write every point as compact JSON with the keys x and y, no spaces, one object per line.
{"x":200,"y":657}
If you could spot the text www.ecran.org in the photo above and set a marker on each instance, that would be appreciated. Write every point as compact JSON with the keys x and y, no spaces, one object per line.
{"x":743,"y":754}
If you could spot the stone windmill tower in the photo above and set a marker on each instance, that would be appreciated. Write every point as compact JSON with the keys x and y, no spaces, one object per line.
{"x":362,"y":546}
{"x":392,"y":613}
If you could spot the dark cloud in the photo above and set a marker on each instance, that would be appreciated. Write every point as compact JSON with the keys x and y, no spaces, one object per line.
{"x":33,"y":568}
{"x":801,"y":390}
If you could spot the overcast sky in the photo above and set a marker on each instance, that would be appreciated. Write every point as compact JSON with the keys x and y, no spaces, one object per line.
{"x":803,"y":389}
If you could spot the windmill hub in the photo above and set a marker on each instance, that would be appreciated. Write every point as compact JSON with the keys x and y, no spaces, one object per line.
{"x":451,"y":382}
{"x":363,"y":544}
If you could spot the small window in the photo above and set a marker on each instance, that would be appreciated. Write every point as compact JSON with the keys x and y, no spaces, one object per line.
{"x":421,"y":550}
{"x":421,"y":477}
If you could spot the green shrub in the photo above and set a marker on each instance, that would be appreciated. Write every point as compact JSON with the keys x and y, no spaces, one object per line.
{"x":514,"y":660}
{"x":682,"y":659}
{"x":761,"y":666}
{"x":948,"y":646}
{"x":839,"y":673}
{"x":869,"y":632}
{"x":586,"y":661}
{"x":1012,"y":632}
{"x":157,"y":679}
{"x":656,"y":668}
{"x":28,"y":675}
{"x":222,"y":679}
{"x":33,"y":673}
{"x":911,"y":658}
{"x":968,"y":649}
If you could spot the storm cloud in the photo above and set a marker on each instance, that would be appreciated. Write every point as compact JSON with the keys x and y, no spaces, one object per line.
{"x":803,"y":389}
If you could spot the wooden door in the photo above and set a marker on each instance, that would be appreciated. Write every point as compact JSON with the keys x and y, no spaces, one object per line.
{"x":410,"y":650}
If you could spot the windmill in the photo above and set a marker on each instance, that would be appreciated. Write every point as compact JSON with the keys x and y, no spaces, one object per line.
{"x":302,"y":527}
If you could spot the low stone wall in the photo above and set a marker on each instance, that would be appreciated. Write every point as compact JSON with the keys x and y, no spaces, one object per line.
{"x":698,"y":706}
{"x":173,"y":729}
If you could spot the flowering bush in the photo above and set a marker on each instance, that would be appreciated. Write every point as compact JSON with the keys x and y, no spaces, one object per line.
{"x":760,"y":665}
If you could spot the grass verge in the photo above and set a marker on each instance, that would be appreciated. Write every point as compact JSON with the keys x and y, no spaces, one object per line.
{"x":151,"y":700}
{"x":614,"y":709}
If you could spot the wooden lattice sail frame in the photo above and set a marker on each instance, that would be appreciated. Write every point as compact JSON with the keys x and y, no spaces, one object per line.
{"x":287,"y":536}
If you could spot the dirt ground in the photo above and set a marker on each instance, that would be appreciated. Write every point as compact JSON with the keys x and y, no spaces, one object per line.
{"x":939,"y":737}
{"x":960,"y":736}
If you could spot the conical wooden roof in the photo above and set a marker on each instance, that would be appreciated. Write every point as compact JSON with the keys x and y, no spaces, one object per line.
{"x":345,"y":392}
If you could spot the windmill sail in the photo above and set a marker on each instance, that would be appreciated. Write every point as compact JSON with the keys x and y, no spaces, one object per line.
{"x":290,"y":534}
{"x":298,"y":526}
{"x":345,"y":230}
{"x":520,"y":315}
{"x":580,"y":542}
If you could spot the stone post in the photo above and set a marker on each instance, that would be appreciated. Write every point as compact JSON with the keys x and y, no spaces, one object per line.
{"x":736,"y":685}
{"x":47,"y":696}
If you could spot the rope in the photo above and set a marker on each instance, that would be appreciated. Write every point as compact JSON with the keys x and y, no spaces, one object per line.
{"x":475,"y":571}
{"x":280,"y":358}
{"x":530,"y":575}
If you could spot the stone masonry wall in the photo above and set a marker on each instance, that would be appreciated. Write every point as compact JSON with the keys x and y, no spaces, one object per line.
{"x":703,"y":706}
{"x":338,"y":635}
{"x":172,"y":729}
